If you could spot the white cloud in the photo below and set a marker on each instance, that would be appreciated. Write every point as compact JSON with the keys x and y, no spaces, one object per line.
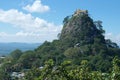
{"x":26,"y":21}
{"x":31,"y":27}
{"x":3,"y":34}
{"x":27,"y":37}
{"x":113,"y":37}
{"x":37,"y":6}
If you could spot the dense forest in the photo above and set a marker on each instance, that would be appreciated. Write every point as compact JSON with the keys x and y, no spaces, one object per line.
{"x":81,"y":52}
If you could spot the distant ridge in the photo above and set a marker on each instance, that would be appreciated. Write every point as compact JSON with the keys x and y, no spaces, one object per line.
{"x":6,"y":48}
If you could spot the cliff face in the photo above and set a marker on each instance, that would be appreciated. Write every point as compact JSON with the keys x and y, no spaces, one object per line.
{"x":80,"y":28}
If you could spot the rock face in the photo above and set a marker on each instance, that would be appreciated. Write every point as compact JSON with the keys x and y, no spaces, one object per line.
{"x":80,"y":28}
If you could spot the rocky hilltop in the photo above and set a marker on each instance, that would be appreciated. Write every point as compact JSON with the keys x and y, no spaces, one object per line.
{"x":81,"y":29}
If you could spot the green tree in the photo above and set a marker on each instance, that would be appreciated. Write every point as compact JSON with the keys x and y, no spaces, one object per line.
{"x":16,"y":54}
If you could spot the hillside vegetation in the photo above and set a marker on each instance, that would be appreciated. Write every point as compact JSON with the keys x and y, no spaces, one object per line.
{"x":80,"y":53}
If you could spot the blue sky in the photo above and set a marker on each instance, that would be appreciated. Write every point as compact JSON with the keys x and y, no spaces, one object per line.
{"x":34,"y":21}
